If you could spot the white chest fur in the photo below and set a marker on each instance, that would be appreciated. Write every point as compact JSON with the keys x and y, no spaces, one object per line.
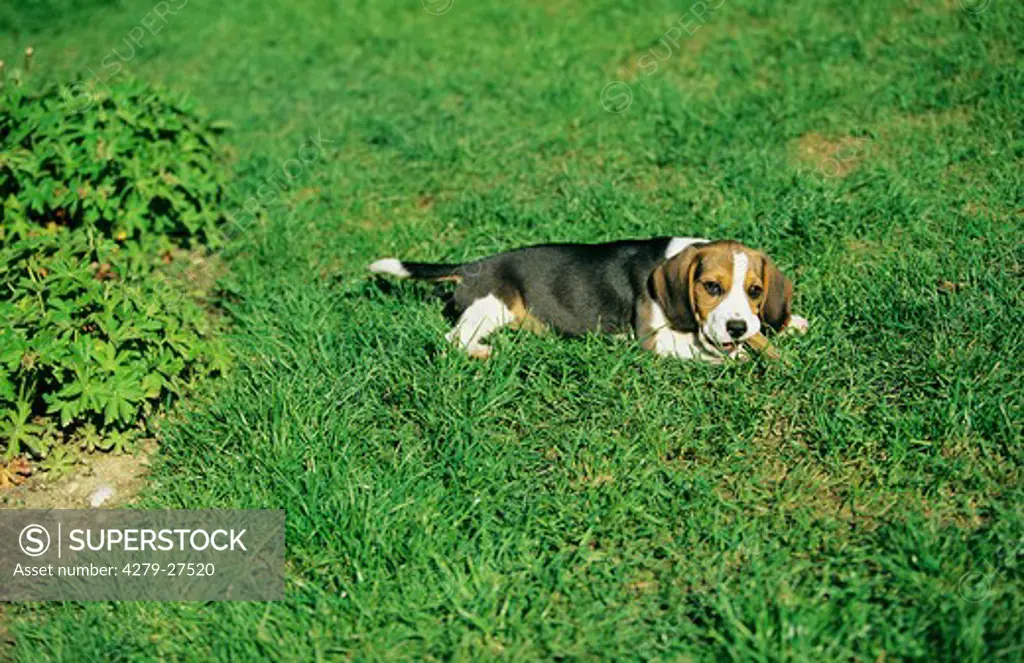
{"x":656,"y":336}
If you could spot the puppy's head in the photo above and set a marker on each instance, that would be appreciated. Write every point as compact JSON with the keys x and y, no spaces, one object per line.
{"x":724,"y":291}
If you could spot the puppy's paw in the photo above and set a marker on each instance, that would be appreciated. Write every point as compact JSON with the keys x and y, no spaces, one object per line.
{"x":479,"y":351}
{"x":740,"y":354}
{"x":798,"y":324}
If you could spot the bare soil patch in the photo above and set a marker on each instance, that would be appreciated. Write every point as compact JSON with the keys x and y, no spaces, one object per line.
{"x":832,"y":157}
{"x":122,"y":477}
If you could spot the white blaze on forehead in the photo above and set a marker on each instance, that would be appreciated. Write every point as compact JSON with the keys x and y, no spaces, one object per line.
{"x":740,"y":262}
{"x":735,"y":305}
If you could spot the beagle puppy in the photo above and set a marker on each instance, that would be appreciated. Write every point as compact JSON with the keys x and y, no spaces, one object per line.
{"x":683,"y":297}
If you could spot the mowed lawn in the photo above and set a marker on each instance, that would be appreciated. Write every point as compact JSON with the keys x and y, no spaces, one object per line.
{"x":579,"y":499}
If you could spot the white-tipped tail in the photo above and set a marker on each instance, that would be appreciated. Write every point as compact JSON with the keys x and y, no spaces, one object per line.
{"x":392,"y":266}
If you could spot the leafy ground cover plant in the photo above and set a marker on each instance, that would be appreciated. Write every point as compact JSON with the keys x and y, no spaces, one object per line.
{"x":97,"y":201}
{"x":131,"y":162}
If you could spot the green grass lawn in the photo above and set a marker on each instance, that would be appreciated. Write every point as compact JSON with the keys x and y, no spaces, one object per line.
{"x":583,"y":500}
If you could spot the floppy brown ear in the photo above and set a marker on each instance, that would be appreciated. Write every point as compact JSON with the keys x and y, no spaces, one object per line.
{"x":778,"y":296}
{"x":671,"y":287}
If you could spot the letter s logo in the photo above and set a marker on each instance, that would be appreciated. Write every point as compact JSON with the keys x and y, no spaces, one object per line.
{"x":34,"y":540}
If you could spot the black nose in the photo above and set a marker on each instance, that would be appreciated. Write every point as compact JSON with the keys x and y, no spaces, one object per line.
{"x":736,"y":328}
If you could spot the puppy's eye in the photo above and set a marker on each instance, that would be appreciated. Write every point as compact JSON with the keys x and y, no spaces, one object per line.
{"x":713,"y":288}
{"x":755,"y":291}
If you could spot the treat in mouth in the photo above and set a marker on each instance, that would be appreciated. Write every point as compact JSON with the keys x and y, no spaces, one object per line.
{"x":760,"y":344}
